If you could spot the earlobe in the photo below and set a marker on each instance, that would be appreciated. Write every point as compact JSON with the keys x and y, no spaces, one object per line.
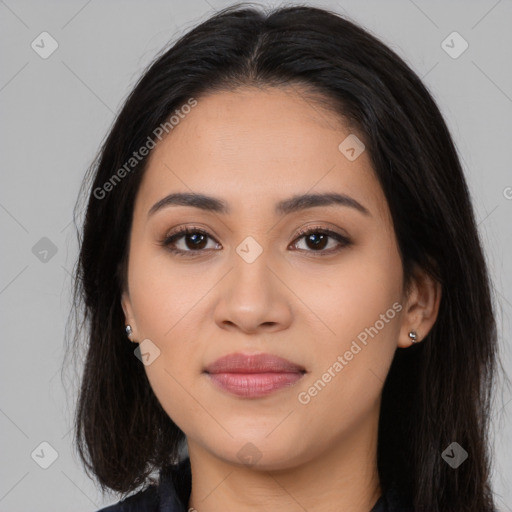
{"x":130,"y":325}
{"x":422,"y":308}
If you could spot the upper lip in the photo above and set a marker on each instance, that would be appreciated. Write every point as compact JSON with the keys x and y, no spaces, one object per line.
{"x":254,"y":363}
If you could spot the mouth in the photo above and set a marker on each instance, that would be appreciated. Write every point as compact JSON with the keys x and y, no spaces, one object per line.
{"x":253,"y":376}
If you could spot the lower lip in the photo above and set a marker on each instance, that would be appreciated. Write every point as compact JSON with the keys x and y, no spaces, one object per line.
{"x":254,"y":385}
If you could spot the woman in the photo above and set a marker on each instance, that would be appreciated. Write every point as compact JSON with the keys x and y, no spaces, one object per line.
{"x":279,"y":222}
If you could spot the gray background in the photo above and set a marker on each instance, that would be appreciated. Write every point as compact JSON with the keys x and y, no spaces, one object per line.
{"x":55,"y":113}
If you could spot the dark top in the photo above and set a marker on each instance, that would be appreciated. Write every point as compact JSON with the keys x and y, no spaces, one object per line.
{"x":173,"y":492}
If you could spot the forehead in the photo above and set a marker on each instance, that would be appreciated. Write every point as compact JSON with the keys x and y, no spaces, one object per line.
{"x":256,"y":145}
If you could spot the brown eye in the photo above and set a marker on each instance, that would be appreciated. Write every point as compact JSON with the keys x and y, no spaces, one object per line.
{"x":317,"y":240}
{"x":195,"y":240}
{"x":186,"y":241}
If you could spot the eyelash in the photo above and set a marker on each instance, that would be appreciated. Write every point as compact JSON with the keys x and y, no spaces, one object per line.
{"x":180,"y":232}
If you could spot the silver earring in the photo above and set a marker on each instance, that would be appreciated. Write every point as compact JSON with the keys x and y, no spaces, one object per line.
{"x":129,"y":332}
{"x":413,"y":336}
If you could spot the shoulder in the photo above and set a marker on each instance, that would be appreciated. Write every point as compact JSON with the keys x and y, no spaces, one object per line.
{"x":146,"y":500}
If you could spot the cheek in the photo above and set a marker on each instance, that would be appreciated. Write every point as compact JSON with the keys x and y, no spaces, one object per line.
{"x":167,"y":304}
{"x":170,"y":379}
{"x":358,"y":303}
{"x":164,"y":294}
{"x":352,"y":295}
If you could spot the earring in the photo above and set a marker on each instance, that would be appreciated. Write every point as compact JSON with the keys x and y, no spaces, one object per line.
{"x":413,"y":336}
{"x":129,"y":332}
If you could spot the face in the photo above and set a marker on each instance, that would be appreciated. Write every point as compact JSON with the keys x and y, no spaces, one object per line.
{"x":247,"y":280}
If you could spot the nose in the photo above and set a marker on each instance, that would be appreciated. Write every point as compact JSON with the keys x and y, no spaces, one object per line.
{"x":253,"y":298}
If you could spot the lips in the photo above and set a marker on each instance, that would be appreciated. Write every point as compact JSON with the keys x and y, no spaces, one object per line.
{"x":253,"y":376}
{"x":257,"y":363}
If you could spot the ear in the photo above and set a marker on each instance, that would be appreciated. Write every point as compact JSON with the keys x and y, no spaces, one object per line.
{"x":128,"y":315}
{"x":421,"y":307}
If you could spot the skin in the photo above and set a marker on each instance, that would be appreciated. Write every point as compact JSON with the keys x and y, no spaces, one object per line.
{"x":253,"y":148}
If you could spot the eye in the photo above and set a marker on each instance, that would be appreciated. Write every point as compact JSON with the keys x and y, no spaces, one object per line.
{"x":316,"y":239}
{"x":187,"y":240}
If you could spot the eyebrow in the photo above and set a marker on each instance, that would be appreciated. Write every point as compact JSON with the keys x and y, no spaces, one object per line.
{"x":286,"y":206}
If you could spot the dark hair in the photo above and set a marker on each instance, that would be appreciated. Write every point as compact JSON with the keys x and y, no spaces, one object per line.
{"x":436,"y":392}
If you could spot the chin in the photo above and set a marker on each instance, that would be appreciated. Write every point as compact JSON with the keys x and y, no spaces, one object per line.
{"x":264,"y":455}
